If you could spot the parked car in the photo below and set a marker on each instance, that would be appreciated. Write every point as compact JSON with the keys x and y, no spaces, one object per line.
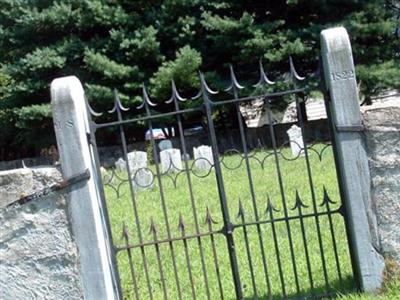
{"x":193,"y":130}
{"x":158,"y":134}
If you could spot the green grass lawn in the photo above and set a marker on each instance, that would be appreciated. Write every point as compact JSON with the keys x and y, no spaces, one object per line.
{"x":196,"y":260}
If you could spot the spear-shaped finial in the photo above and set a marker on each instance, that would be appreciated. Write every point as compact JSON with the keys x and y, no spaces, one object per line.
{"x":293,"y":73}
{"x":326,"y":199}
{"x":209,"y":220}
{"x":270,"y":207}
{"x":181,"y":224}
{"x":145,"y":98}
{"x":234,"y":85}
{"x":117,"y":103}
{"x":263,"y":76}
{"x":125,"y":231}
{"x":204,"y":88}
{"x":114,"y":109}
{"x":241,"y":210}
{"x":298,"y":203}
{"x":153,"y":227}
{"x":90,"y":109}
{"x":175,"y":94}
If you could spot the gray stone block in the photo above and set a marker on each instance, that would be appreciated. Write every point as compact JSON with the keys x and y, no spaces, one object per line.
{"x":382,"y":135}
{"x":38,"y":257}
{"x":15,"y":184}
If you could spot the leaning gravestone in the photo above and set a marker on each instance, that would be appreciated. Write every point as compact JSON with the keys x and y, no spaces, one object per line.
{"x":296,"y":140}
{"x":203,"y":158}
{"x":171,"y":160}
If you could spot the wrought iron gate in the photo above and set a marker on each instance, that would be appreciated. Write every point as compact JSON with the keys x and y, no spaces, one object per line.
{"x":250,"y":221}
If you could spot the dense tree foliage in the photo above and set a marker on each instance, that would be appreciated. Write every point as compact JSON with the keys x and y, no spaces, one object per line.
{"x":121,"y":43}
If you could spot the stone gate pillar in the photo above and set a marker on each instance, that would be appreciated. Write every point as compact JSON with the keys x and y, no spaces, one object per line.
{"x":351,"y":159}
{"x":71,"y":127}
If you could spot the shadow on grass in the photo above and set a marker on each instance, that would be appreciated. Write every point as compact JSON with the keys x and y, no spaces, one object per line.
{"x":320,"y":292}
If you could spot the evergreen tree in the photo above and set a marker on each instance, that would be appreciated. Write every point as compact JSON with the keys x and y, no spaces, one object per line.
{"x":120,"y":44}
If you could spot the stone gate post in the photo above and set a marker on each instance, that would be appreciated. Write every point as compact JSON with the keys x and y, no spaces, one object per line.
{"x":351,"y":160}
{"x":71,"y":127}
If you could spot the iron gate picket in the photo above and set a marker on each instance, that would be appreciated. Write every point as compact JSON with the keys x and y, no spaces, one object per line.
{"x":162,"y":264}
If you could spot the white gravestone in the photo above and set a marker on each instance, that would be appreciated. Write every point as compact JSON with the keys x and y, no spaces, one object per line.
{"x":142,"y":178}
{"x":106,"y":178}
{"x":137,"y":160}
{"x":171,"y":160}
{"x":296,"y":140}
{"x":120,"y":165}
{"x":203,"y":158}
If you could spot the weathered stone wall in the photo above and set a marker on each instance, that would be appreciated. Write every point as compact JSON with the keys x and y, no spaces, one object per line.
{"x":38,"y":257}
{"x":382,"y":135}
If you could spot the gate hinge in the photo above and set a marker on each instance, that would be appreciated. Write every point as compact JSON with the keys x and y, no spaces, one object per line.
{"x":349,"y":128}
{"x":74,"y":179}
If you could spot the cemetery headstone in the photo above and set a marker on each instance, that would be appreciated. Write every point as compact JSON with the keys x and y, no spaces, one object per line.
{"x":296,"y":140}
{"x":106,"y":178}
{"x":137,"y":160}
{"x":171,"y":160}
{"x":203,"y":158}
{"x":142,"y":179}
{"x":164,"y":145}
{"x":120,"y":164}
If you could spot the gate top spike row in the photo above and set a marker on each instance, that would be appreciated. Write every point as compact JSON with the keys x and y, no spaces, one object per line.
{"x":209,"y":220}
{"x":204,"y":90}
